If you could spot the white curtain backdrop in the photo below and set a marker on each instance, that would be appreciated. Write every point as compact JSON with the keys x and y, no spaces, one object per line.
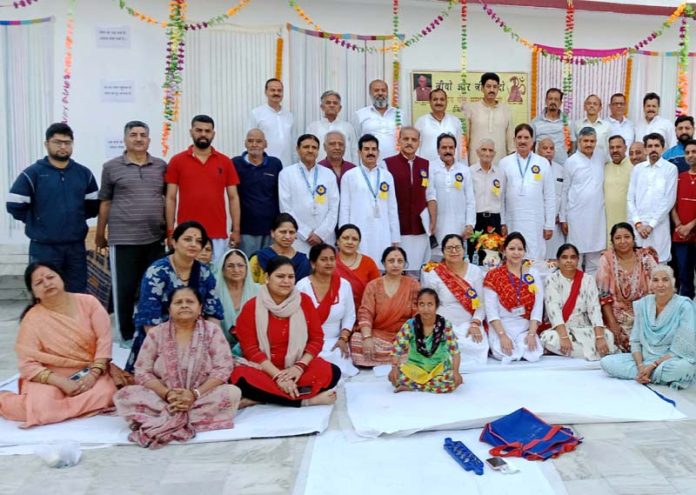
{"x":26,"y":102}
{"x":658,"y":74}
{"x":224,"y":75}
{"x":317,"y":64}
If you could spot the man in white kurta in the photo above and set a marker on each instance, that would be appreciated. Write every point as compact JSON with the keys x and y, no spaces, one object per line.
{"x":368,"y":200}
{"x":309,"y":192}
{"x":331,"y":107}
{"x":593,"y":108}
{"x":651,"y":121}
{"x":275,"y":122}
{"x":652,"y":193}
{"x":529,"y":197}
{"x":583,"y":194}
{"x":378,"y":119}
{"x":434,"y":124}
{"x":451,"y":188}
{"x":547,"y":148}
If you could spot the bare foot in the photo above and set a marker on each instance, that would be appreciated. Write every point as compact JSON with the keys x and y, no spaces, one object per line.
{"x":326,"y":398}
{"x":247,"y":403}
{"x":401,"y":388}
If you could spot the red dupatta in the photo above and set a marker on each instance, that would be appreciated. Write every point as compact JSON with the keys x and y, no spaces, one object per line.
{"x":330,"y":298}
{"x":506,"y":285}
{"x":356,"y":283}
{"x":460,"y":288}
{"x":569,"y":305}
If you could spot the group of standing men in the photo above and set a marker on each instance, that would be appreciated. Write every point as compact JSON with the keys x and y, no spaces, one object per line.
{"x":409,"y":187}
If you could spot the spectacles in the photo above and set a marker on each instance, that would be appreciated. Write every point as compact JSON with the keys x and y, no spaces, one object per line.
{"x":235,"y":266}
{"x":60,"y":143}
{"x":453,"y":249}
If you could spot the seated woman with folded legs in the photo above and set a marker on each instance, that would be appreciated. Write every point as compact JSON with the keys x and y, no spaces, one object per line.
{"x":386,"y":304}
{"x":514,"y":305}
{"x":333,"y":298}
{"x":663,"y":340}
{"x":281,"y":338}
{"x":459,"y":285}
{"x":64,"y":353}
{"x":181,"y":375}
{"x":426,"y":355}
{"x":572,"y":307}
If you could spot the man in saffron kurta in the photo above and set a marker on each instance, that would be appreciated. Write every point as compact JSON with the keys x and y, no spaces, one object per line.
{"x":617,"y":175}
{"x":411,"y":177}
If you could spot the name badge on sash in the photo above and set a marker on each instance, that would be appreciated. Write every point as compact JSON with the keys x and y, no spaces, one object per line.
{"x":518,"y":311}
{"x":320,"y":196}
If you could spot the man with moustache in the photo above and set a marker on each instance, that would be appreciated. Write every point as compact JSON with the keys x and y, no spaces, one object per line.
{"x":132,"y":204}
{"x":368,"y":201}
{"x":546,"y":148}
{"x":617,"y":176}
{"x":652,"y":122}
{"x":620,"y":124}
{"x":258,"y":192}
{"x":202,"y":176}
{"x":411,"y":178}
{"x":491,"y":119}
{"x":275,"y":122}
{"x":436,"y":123}
{"x":378,"y":119}
{"x":335,"y":147}
{"x":651,"y":196}
{"x":684,"y":130}
{"x":684,"y":218}
{"x":451,"y":191}
{"x":636,"y":153}
{"x":593,"y":119}
{"x":53,"y":198}
{"x":331,"y":107}
{"x":584,"y":221}
{"x":550,"y":123}
{"x":309,"y":192}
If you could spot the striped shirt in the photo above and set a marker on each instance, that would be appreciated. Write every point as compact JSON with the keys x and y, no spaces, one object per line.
{"x":137,"y":200}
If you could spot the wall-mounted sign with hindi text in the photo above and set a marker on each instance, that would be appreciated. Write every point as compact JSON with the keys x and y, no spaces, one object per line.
{"x":113,"y":36}
{"x":117,"y":91}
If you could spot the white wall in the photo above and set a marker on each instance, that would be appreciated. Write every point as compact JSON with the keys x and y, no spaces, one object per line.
{"x":490,"y":49}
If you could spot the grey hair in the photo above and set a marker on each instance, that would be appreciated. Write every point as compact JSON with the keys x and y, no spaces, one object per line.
{"x":664,"y":269}
{"x":410,"y":128}
{"x":546,"y":137}
{"x":328,"y":93}
{"x":133,"y":124}
{"x":337,"y":133}
{"x":486,"y":141}
{"x":587,"y":131}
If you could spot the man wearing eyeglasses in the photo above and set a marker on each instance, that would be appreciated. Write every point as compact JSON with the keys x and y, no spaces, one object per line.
{"x":53,"y":198}
{"x":620,"y":124}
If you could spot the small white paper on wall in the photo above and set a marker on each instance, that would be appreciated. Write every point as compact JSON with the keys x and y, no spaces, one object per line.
{"x":113,"y":36}
{"x":117,"y":91}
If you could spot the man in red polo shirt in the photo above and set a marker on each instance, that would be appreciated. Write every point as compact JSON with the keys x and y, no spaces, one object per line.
{"x":201,"y":176}
{"x":684,"y":218}
{"x":411,"y":175}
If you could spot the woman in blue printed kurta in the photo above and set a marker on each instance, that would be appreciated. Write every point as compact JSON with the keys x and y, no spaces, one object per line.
{"x":179,"y":269}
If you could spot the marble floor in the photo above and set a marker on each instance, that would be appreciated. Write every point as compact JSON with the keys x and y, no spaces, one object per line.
{"x":625,"y":458}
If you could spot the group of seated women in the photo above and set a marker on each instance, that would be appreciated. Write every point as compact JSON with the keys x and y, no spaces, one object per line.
{"x":211,"y":342}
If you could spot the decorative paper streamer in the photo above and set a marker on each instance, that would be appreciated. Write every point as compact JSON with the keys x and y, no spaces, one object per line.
{"x":174,"y":66}
{"x":567,"y":69}
{"x":67,"y":58}
{"x":341,"y":39}
{"x":396,"y":68}
{"x":463,"y":64}
{"x":535,"y":84}
{"x":25,"y":22}
{"x":682,"y":107}
{"x":218,"y":19}
{"x":279,"y":58}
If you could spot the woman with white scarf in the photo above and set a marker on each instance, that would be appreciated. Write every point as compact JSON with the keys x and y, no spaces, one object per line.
{"x":280,"y":335}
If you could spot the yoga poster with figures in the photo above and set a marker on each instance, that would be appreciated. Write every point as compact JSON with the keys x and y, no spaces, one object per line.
{"x":514,"y":92}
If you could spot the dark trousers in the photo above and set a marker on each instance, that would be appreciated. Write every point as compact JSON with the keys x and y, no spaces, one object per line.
{"x":484,"y":220}
{"x":256,"y":394}
{"x":70,"y":258}
{"x":128,"y":264}
{"x":685,"y":253}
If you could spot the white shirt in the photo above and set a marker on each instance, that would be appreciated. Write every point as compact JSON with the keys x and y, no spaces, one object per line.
{"x":487,"y":199}
{"x":603,"y":130}
{"x":300,"y":193}
{"x":624,"y":128}
{"x":368,"y":120}
{"x":652,"y":193}
{"x":583,"y":196}
{"x":341,"y":315}
{"x":376,"y":215}
{"x":453,"y":190}
{"x":278,"y":129}
{"x":320,"y":128}
{"x":660,"y":125}
{"x":430,"y":128}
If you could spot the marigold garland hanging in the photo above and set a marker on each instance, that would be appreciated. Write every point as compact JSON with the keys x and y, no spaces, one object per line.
{"x":682,"y":107}
{"x":279,"y":58}
{"x":174,"y":66}
{"x":463,"y":68}
{"x":627,"y":80}
{"x":567,"y":69}
{"x":67,"y":58}
{"x":396,"y":68}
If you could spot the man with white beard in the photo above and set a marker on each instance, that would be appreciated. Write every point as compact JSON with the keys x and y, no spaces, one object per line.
{"x":378,"y":119}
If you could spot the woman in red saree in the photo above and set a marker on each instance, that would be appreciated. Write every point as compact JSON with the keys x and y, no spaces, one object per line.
{"x":64,"y":353}
{"x":386,"y":305}
{"x":181,"y":374}
{"x":357,"y":268}
{"x":281,"y":337}
{"x":573,"y":311}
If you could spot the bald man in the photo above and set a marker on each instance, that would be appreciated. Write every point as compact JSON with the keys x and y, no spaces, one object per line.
{"x":378,"y":119}
{"x":636,"y":153}
{"x":258,"y":191}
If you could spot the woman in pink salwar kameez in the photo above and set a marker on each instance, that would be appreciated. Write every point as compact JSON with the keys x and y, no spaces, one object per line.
{"x":181,"y":378}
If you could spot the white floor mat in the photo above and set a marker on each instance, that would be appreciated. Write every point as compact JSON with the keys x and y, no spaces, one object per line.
{"x":567,"y":397}
{"x":417,"y":465}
